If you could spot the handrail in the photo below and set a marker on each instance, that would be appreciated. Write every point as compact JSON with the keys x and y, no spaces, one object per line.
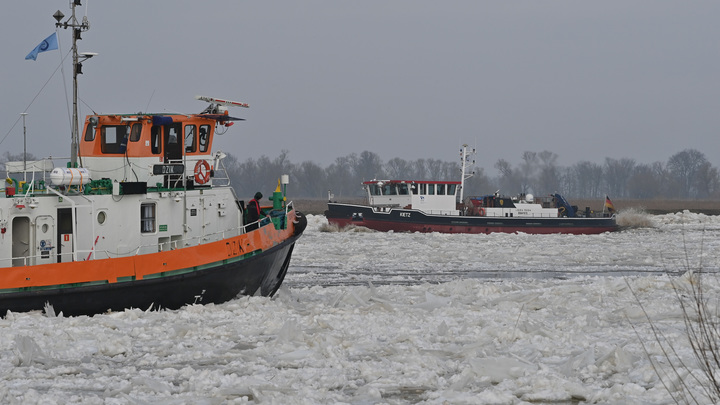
{"x":220,"y":235}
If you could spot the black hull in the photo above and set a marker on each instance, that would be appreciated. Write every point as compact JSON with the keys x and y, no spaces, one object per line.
{"x":258,"y":275}
{"x":409,"y":220}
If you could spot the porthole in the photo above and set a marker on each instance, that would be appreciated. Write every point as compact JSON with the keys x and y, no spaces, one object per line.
{"x":101,"y":216}
{"x":45,"y":228}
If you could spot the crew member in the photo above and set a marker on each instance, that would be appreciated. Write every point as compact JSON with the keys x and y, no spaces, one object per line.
{"x":254,"y":211}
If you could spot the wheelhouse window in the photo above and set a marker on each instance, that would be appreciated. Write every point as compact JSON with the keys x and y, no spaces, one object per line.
{"x":190,"y":145}
{"x":135,"y":132}
{"x":172,"y":134}
{"x":204,"y":137}
{"x":423,"y":189}
{"x":147,"y":217}
{"x":440,"y":189}
{"x":90,"y":132}
{"x":113,"y":138}
{"x":390,"y":189}
{"x":431,"y":189}
{"x":451,"y":189}
{"x":155,"y":139}
{"x":374,"y":189}
{"x":403,"y":189}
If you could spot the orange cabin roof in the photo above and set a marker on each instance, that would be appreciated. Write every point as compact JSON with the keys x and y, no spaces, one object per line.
{"x":147,"y":135}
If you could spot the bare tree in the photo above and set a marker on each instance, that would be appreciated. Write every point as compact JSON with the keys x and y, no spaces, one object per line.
{"x":528,"y":170}
{"x":369,"y":166}
{"x":548,"y":177}
{"x":341,"y":179}
{"x":310,"y":179}
{"x":707,"y":181}
{"x":478,"y":184}
{"x":451,"y":171}
{"x":398,"y":168}
{"x":584,"y":180}
{"x":509,"y":179}
{"x":645,"y":182}
{"x":420,"y":169}
{"x":617,"y":173}
{"x":702,"y":329}
{"x":684,"y":167}
{"x":434,"y":168}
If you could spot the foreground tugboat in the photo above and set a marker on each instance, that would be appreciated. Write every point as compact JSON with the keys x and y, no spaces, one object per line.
{"x":141,"y":217}
{"x":431,"y":206}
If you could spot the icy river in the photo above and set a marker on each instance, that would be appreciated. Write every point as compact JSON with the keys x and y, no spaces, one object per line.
{"x":392,"y":318}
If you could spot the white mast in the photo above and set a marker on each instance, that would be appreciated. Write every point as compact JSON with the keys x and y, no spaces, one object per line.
{"x":464,"y":160}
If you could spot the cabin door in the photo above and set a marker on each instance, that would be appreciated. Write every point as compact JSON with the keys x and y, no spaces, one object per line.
{"x":20,"y":241}
{"x":172,"y":147}
{"x":172,"y":142}
{"x":64,"y":235}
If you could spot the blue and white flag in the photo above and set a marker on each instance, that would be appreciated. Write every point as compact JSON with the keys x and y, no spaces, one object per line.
{"x":48,"y":44}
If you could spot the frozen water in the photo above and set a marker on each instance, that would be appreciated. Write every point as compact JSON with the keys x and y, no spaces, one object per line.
{"x":393,"y":318}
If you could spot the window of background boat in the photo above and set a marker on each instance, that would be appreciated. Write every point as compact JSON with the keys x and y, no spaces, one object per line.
{"x":155,"y":139}
{"x":111,"y":138}
{"x":135,"y":132}
{"x":451,"y":188}
{"x":147,"y":217}
{"x":423,"y":189}
{"x":204,"y":137}
{"x":190,"y":138}
{"x":90,"y":132}
{"x":431,"y":189}
{"x":403,"y":189}
{"x":440,"y":189}
{"x":374,"y":189}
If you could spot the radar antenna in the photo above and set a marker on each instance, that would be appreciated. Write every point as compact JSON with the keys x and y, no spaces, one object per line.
{"x":215,"y":103}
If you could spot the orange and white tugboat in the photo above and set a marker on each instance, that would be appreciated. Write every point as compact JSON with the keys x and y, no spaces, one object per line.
{"x":438,"y":206}
{"x":142,"y":216}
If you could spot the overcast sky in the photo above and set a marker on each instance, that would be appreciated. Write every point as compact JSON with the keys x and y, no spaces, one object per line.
{"x":410,"y":79}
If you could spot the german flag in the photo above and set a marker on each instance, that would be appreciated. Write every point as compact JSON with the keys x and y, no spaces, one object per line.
{"x":609,"y":205}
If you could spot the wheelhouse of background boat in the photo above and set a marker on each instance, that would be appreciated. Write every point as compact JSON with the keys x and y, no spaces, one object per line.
{"x":398,"y":187}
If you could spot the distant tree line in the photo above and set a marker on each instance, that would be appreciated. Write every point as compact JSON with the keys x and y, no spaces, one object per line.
{"x":685,"y":175}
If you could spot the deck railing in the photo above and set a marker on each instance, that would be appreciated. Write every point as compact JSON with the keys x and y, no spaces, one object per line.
{"x":94,"y":254}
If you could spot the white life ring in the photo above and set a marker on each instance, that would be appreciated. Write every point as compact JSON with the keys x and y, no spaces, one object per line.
{"x":202,"y":172}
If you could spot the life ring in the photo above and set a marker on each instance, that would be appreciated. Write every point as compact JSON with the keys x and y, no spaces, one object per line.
{"x":481,"y":211}
{"x":202,"y":172}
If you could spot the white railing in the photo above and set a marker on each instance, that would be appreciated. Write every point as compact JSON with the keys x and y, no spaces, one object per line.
{"x":151,"y":247}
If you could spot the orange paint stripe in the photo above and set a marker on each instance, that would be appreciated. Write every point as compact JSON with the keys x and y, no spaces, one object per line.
{"x":143,"y":265}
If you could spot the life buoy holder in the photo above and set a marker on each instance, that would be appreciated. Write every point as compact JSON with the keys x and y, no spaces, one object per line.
{"x":481,"y":211}
{"x":202,"y":172}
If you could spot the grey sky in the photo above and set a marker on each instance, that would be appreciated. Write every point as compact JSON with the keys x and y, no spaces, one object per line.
{"x":410,"y":79}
